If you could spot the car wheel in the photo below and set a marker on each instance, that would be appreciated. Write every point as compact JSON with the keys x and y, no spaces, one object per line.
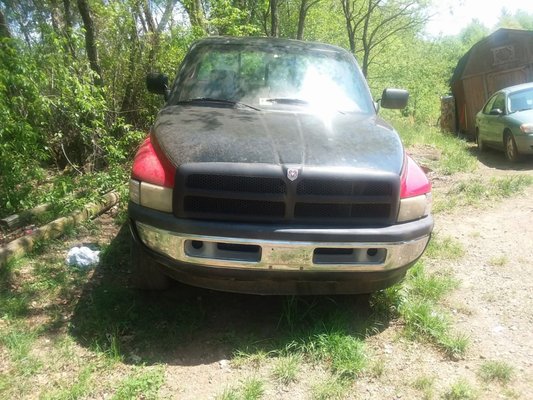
{"x":511,"y":152}
{"x":479,"y":142}
{"x":146,"y":273}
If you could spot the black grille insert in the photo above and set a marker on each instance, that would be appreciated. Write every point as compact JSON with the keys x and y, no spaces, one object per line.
{"x":263,"y":193}
{"x":233,"y":207}
{"x":230,"y":183}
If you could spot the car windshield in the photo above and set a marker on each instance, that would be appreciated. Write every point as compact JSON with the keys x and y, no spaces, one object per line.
{"x":521,"y":101}
{"x":273,"y":77}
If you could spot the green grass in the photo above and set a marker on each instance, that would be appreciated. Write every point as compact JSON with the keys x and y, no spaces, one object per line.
{"x":453,"y":154}
{"x":416,"y":303}
{"x":141,"y":384}
{"x":425,"y":322}
{"x":286,"y":369}
{"x":461,"y":390}
{"x":430,"y":286}
{"x":426,"y":385}
{"x":444,"y":248}
{"x":251,"y":389}
{"x":499,"y":261}
{"x":477,"y":192}
{"x":18,"y":341}
{"x":333,"y":388}
{"x":496,"y":371}
{"x":79,"y":389}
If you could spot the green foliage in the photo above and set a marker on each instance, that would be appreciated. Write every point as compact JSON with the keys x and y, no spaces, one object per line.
{"x":142,"y":383}
{"x":23,"y":112}
{"x":496,"y":371}
{"x":461,"y":390}
{"x":477,"y":191}
{"x":333,"y":388}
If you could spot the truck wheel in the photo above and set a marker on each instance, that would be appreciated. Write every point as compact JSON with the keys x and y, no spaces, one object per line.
{"x":511,"y":152}
{"x":146,"y":273}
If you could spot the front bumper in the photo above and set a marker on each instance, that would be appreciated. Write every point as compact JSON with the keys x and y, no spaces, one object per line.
{"x":279,"y":260}
{"x":524,"y":143}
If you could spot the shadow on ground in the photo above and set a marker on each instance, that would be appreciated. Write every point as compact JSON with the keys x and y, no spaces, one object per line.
{"x":493,"y":158}
{"x":190,"y":326}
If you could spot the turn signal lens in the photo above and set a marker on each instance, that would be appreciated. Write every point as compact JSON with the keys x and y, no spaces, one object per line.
{"x":151,"y":196}
{"x":415,"y":192}
{"x":413,"y":208}
{"x":526,"y":128}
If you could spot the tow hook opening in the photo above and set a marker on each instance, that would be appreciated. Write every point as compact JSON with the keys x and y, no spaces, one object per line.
{"x":342,"y":255}
{"x":223,"y":251}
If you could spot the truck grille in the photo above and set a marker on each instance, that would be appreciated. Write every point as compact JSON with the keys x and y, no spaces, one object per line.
{"x":262,"y":193}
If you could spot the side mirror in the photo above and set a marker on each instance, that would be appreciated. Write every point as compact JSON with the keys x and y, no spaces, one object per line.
{"x":394,"y":98}
{"x":496,"y":111}
{"x":157,"y":83}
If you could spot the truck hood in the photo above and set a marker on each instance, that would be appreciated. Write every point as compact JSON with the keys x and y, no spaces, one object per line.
{"x":192,"y":134}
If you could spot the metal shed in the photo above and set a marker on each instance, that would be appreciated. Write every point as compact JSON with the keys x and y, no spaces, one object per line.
{"x":502,"y":59}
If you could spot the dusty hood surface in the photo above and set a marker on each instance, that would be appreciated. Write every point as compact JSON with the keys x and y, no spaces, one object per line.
{"x":219,"y":134}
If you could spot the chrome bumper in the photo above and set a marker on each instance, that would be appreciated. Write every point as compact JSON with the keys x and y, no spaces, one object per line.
{"x":257,"y":254}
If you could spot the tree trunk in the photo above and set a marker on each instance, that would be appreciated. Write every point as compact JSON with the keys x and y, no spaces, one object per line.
{"x":301,"y":19}
{"x":195,"y":11}
{"x":305,"y":6}
{"x":274,"y":18}
{"x":90,"y":41}
{"x":4,"y":29}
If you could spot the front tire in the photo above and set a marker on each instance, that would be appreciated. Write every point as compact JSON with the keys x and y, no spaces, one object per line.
{"x":511,"y":151}
{"x":146,"y":273}
{"x":479,"y":142}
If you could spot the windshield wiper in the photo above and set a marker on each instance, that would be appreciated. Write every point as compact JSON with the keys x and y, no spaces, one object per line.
{"x":286,"y":100}
{"x":215,"y":100}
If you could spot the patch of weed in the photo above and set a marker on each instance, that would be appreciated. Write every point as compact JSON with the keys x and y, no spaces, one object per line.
{"x":423,"y":321}
{"x":345,"y":353}
{"x":461,"y":390}
{"x":444,"y":248}
{"x":377,"y":367}
{"x":498,"y":371}
{"x":251,"y":389}
{"x":425,"y":384}
{"x":333,"y":388}
{"x":81,"y":387}
{"x":430,"y":286}
{"x":476,"y":192}
{"x":454,"y":155}
{"x":142,"y":383}
{"x":286,"y":369}
{"x":499,"y":261}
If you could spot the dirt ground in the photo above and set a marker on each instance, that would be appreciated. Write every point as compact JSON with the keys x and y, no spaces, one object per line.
{"x":493,"y":307}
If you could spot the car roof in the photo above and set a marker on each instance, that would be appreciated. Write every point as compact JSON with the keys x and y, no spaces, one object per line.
{"x":516,"y":88}
{"x":268,"y":41}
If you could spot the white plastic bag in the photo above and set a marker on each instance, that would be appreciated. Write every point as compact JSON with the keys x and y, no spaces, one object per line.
{"x":82,"y":257}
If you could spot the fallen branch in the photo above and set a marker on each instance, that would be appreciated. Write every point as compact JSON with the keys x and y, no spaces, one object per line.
{"x":18,"y":220}
{"x":54,"y":229}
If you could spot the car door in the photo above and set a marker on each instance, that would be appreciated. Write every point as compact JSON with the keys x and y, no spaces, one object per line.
{"x":483,"y":120}
{"x":494,"y":120}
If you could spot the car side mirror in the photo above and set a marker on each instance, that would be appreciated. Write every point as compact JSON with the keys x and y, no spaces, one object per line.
{"x":157,"y":83}
{"x":394,"y":98}
{"x":496,"y":111}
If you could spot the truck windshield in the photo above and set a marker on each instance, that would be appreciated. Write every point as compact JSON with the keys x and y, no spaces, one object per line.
{"x":274,"y":77}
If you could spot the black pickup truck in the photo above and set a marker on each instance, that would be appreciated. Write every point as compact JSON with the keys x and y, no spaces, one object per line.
{"x":268,"y":171}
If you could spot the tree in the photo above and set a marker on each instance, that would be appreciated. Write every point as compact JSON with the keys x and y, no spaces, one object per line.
{"x":4,"y":28}
{"x":90,"y":41}
{"x":372,"y":25}
{"x":305,"y":5}
{"x":274,"y":18}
